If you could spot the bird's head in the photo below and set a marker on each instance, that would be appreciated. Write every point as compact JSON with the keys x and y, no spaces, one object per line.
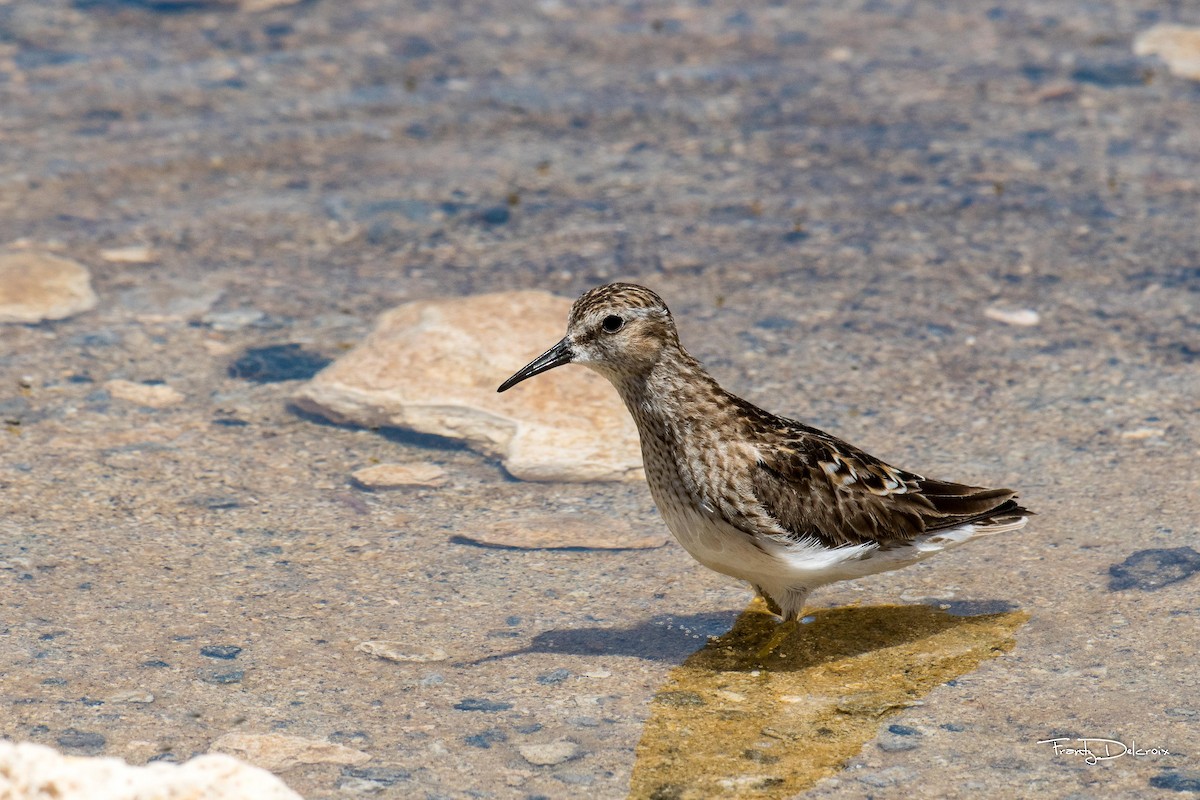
{"x":619,"y":330}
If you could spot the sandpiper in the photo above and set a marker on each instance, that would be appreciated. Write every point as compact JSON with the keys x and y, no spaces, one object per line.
{"x":762,"y":498}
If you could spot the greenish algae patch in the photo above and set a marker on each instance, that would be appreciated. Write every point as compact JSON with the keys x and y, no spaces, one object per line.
{"x":729,"y":724}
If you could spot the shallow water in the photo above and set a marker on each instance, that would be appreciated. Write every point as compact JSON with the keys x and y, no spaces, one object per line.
{"x":828,"y":196}
{"x":733,"y":719}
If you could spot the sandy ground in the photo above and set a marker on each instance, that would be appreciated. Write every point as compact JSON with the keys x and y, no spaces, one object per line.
{"x":830,"y":196}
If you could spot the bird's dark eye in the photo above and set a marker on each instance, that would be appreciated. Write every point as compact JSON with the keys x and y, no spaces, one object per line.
{"x":612,"y":323}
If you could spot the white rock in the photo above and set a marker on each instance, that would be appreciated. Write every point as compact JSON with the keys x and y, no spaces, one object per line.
{"x":402,"y":651}
{"x":131,"y":696}
{"x":34,"y":772}
{"x":232,"y":320}
{"x":276,"y":752}
{"x":395,"y":476}
{"x":1178,"y":45}
{"x":37,"y":286}
{"x":133,"y":254}
{"x":1021,"y":317}
{"x":1138,"y":434}
{"x":264,"y":5}
{"x":549,"y":754}
{"x":433,"y":366}
{"x":153,"y":395}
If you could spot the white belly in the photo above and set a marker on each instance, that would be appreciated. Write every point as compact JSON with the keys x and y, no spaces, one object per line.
{"x":782,"y":567}
{"x":718,"y":545}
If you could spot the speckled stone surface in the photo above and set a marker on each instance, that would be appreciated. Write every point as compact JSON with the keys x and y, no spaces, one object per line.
{"x":829,"y":195}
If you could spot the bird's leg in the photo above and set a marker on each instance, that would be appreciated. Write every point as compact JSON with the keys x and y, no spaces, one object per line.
{"x":768,"y":601}
{"x":791,"y":621}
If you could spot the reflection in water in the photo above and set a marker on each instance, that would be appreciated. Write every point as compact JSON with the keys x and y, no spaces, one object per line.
{"x":728,"y":724}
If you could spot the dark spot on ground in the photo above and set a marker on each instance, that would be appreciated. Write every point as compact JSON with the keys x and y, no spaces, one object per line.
{"x":277,"y":362}
{"x":1153,"y":569}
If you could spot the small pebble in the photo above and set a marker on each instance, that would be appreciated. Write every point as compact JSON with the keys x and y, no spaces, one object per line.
{"x":903,"y":730}
{"x":396,"y":476}
{"x":278,"y":752}
{"x":131,"y":254}
{"x":221,"y":678}
{"x":222,"y":651}
{"x":150,"y":395}
{"x":358,"y":786}
{"x":401,"y":652}
{"x":480,"y":704}
{"x":1021,"y":317}
{"x":896,"y":744}
{"x":1138,"y":434}
{"x":131,"y":696}
{"x":73,"y":739}
{"x":38,"y":286}
{"x":549,"y":754}
{"x":380,"y":776}
{"x":235,"y":320}
{"x":553,"y":676}
{"x":216,"y":502}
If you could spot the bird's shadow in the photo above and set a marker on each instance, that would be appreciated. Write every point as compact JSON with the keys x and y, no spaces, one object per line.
{"x":728,"y":641}
{"x":666,"y":637}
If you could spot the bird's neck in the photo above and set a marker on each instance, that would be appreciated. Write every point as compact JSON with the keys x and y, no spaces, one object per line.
{"x":675,"y":390}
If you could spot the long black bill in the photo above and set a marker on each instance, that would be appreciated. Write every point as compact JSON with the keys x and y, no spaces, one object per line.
{"x":554,"y":357}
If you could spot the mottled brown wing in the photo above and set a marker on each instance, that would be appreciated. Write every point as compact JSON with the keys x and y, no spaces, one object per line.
{"x":816,"y":486}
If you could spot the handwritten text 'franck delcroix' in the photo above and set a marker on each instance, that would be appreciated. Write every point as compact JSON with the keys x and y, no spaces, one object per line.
{"x":1093,"y":751}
